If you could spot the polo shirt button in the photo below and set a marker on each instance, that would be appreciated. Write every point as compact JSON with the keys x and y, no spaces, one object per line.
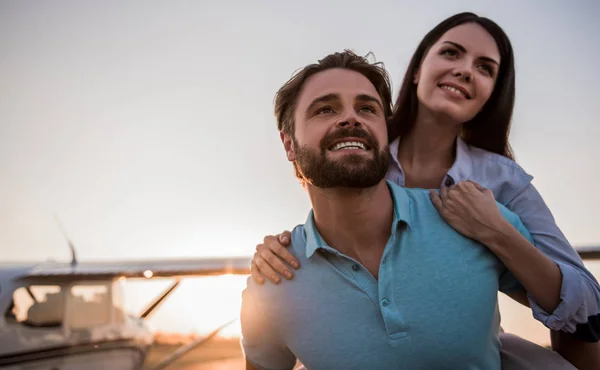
{"x":449,"y":182}
{"x":384,"y":260}
{"x":355,"y":267}
{"x":385,"y":302}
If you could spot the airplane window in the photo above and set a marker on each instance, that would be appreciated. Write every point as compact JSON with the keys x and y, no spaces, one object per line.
{"x":38,"y":306}
{"x":118,"y":302}
{"x":89,"y":306}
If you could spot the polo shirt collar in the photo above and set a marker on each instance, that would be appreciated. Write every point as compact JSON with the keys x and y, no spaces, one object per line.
{"x":401,"y":202}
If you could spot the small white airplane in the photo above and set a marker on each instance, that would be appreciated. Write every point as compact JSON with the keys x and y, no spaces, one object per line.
{"x":67,"y":316}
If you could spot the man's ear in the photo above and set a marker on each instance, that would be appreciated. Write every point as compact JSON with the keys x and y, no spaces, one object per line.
{"x":288,"y":145}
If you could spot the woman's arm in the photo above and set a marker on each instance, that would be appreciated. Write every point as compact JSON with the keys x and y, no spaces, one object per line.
{"x":538,"y":274}
{"x":551,"y":270}
{"x":575,"y":321}
{"x":583,"y":355}
{"x":473,"y":212}
{"x":579,"y":308}
{"x":580,"y":345}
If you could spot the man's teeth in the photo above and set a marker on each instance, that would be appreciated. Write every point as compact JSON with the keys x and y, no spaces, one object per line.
{"x":349,"y":145}
{"x":454,"y":90}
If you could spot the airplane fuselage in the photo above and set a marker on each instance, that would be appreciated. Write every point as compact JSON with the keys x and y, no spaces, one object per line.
{"x":69,"y":324}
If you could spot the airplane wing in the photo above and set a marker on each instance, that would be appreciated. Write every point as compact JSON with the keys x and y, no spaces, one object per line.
{"x":589,"y":252}
{"x":179,"y":267}
{"x":145,"y":268}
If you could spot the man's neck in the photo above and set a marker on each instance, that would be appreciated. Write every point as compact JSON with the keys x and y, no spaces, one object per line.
{"x":353,"y":220}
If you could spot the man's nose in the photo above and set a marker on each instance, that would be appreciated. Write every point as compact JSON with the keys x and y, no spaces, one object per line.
{"x":349,"y":119}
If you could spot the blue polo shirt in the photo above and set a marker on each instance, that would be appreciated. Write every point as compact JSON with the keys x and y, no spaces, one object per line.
{"x":434,"y":306}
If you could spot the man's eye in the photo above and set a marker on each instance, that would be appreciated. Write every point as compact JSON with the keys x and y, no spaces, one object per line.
{"x":324,"y":110}
{"x":368,"y":108}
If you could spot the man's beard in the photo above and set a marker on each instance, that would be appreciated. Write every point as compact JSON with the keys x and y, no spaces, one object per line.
{"x":350,"y":171}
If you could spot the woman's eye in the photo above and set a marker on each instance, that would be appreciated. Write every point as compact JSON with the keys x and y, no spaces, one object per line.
{"x":487,"y":69}
{"x":449,"y":52}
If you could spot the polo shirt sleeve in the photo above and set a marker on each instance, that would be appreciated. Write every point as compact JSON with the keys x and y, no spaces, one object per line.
{"x":508,"y":282}
{"x":261,"y":341}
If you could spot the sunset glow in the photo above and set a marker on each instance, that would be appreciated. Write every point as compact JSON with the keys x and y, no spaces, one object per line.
{"x":198,"y":305}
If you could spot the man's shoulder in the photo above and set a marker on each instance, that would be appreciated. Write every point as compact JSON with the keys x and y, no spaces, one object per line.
{"x":515,"y":221}
{"x":411,"y":195}
{"x":269,"y":290}
{"x":509,"y":215}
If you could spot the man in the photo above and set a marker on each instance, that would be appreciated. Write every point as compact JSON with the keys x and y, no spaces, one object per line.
{"x":386,"y":283}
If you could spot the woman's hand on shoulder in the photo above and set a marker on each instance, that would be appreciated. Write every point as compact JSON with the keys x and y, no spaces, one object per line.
{"x":271,"y":257}
{"x":470,"y":209}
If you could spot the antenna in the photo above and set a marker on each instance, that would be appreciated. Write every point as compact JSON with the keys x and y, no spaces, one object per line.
{"x":71,"y":246}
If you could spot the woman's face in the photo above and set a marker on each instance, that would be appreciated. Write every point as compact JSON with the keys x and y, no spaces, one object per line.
{"x":458,"y":74}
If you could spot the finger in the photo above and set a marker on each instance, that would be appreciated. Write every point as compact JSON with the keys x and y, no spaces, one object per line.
{"x":255,"y":274}
{"x":436,"y":200}
{"x":285,"y":237}
{"x":444,"y":194}
{"x":482,"y":189}
{"x":463,"y":185}
{"x":477,"y":185}
{"x":451,"y":206}
{"x":285,"y":240}
{"x":270,"y":238}
{"x":275,"y":262}
{"x":283,"y":253}
{"x":273,"y":248}
{"x":266,"y":270}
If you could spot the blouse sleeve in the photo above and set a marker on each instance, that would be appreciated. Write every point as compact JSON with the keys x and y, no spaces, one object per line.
{"x":579,"y":309}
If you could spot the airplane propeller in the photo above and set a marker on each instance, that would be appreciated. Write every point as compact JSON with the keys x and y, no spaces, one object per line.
{"x":157,"y":302}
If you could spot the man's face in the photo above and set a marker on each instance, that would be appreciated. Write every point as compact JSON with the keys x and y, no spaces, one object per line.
{"x":340,"y":132}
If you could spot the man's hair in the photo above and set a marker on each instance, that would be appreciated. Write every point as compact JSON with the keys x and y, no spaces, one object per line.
{"x":287,"y":96}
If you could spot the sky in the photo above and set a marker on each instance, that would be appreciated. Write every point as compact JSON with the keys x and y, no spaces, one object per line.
{"x":148,"y":127}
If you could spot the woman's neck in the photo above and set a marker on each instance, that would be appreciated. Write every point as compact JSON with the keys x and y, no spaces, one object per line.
{"x":428,"y":151}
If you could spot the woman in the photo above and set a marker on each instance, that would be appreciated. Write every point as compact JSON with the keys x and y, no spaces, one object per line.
{"x":450,"y":130}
